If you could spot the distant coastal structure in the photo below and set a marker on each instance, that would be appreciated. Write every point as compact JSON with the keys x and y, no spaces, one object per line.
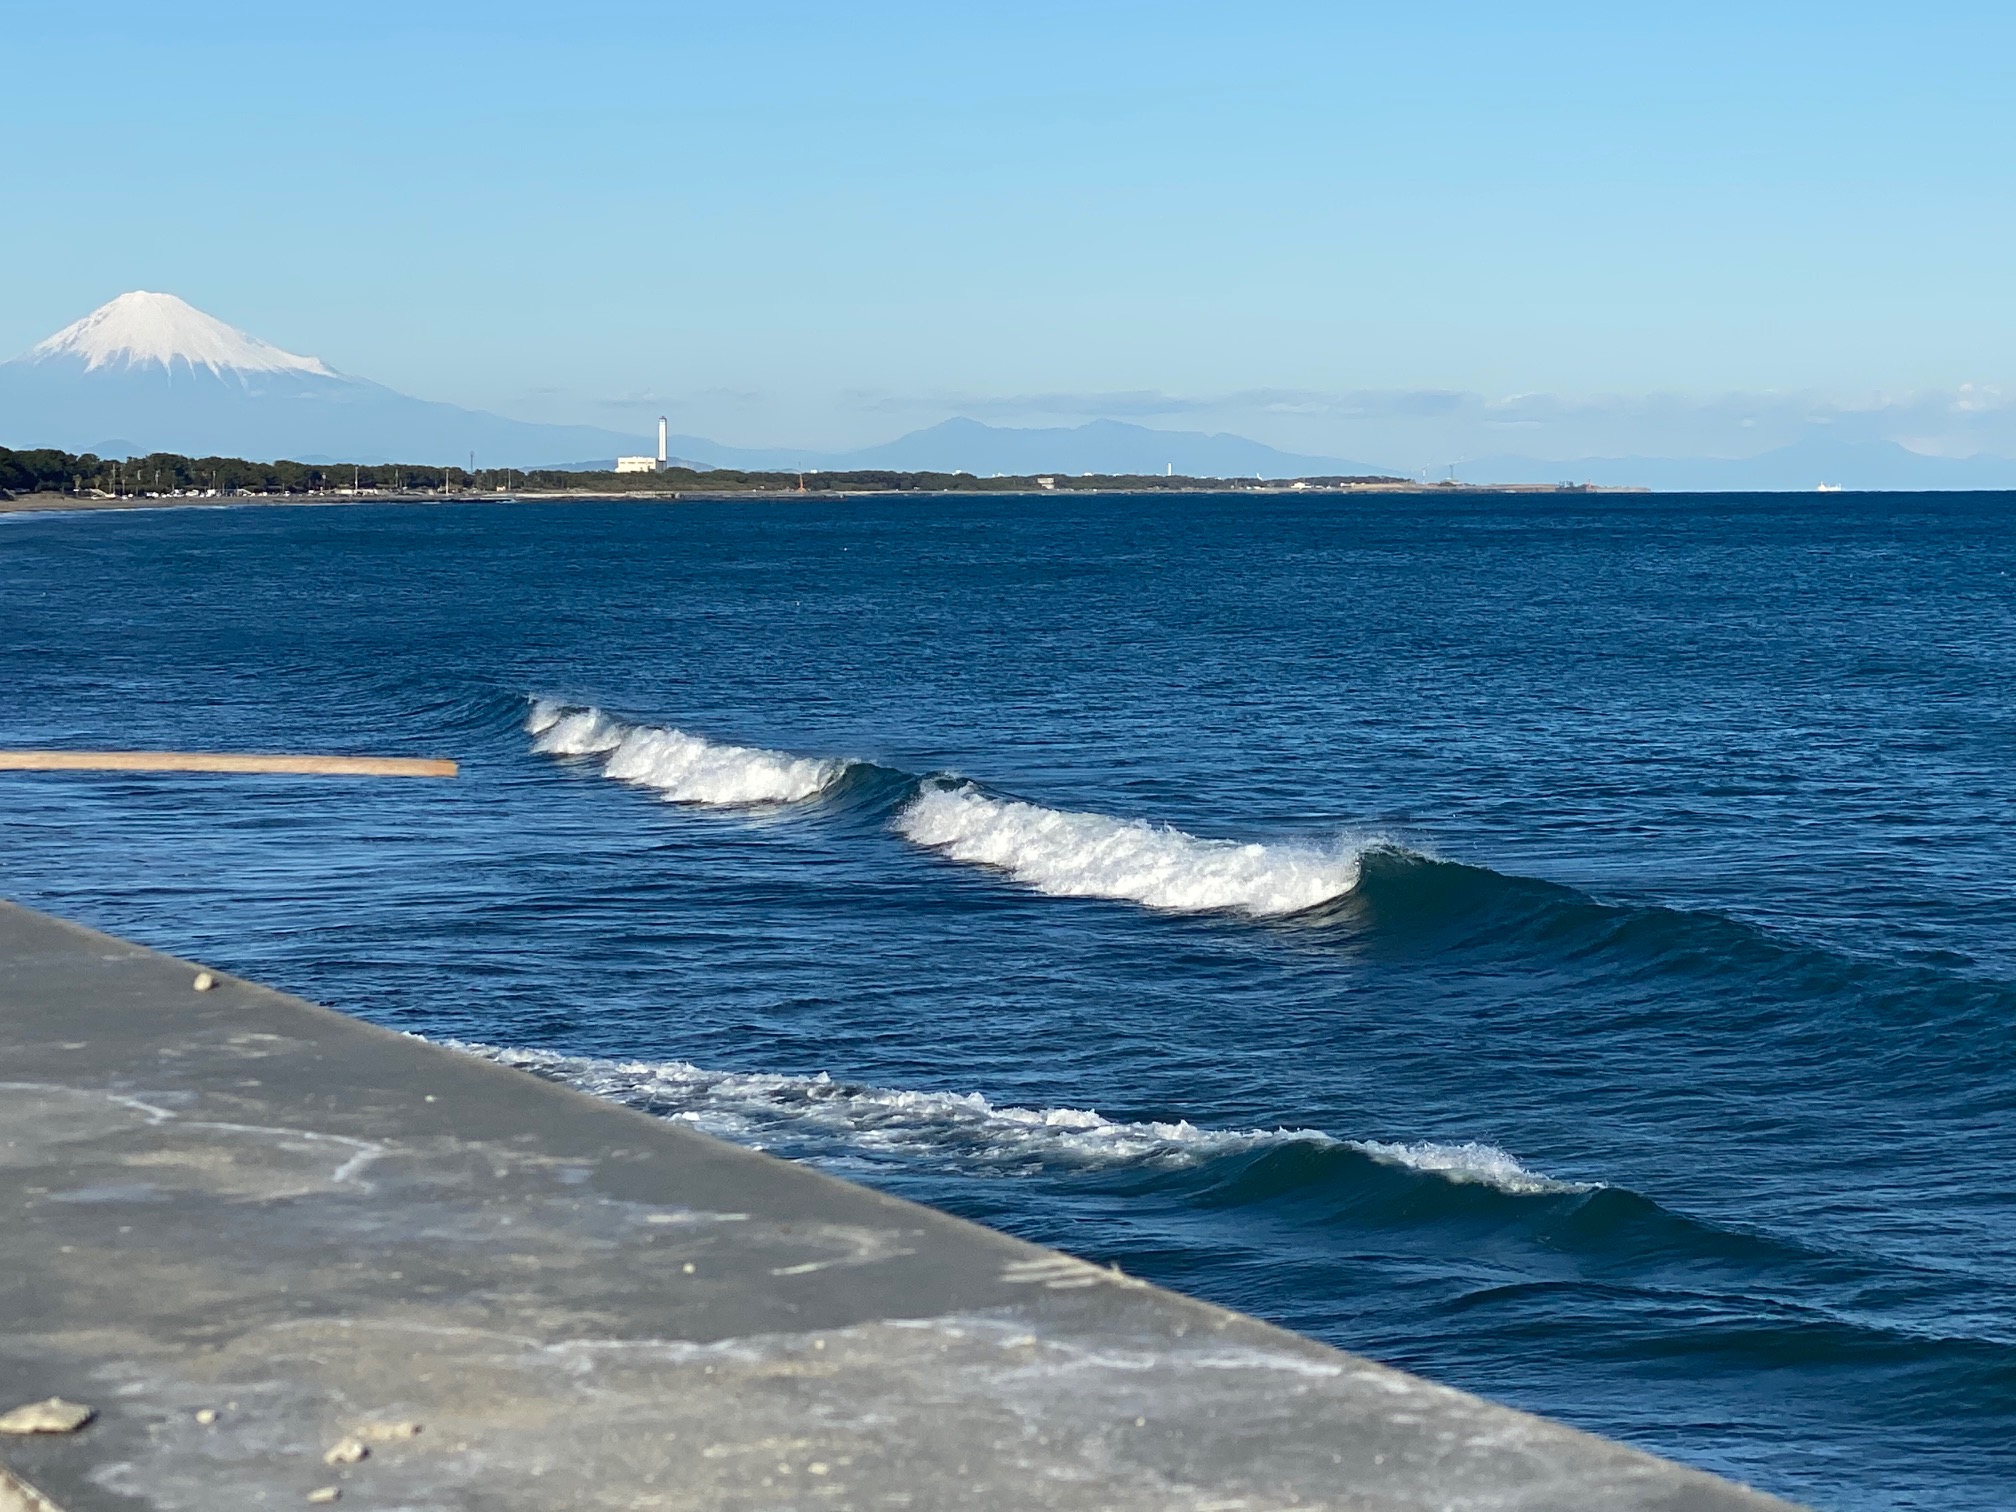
{"x":649,"y":464}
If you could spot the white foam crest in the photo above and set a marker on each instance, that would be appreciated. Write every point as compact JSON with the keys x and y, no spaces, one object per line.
{"x":685,"y":768}
{"x":1484,"y":1164}
{"x":1074,"y":855}
{"x":959,"y":1131}
{"x":945,"y":1128}
{"x":543,"y":715}
{"x":573,"y":732}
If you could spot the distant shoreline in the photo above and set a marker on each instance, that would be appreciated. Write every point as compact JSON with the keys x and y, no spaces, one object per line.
{"x":54,"y":503}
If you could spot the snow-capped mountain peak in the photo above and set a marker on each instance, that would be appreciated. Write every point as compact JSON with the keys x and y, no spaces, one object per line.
{"x":142,"y":329}
{"x":148,"y":373}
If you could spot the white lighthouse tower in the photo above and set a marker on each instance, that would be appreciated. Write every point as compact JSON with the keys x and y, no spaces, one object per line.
{"x":648,"y":464}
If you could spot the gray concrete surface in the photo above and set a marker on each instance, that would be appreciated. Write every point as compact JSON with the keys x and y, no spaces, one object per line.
{"x":235,"y":1202}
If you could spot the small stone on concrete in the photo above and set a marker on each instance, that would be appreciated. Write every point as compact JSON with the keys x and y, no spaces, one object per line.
{"x":346,"y":1451}
{"x":53,"y":1416}
{"x":387,"y":1433}
{"x":206,"y":1415}
{"x":204,"y":981}
{"x":321,"y":1496}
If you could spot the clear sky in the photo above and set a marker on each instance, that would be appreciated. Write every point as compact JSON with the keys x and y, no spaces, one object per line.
{"x":1322,"y":224}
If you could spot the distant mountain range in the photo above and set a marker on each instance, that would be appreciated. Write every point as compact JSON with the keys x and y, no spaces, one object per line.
{"x":148,"y":372}
{"x":1102,"y":446}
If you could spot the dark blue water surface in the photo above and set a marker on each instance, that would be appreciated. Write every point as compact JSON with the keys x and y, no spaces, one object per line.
{"x":1657,"y":1073}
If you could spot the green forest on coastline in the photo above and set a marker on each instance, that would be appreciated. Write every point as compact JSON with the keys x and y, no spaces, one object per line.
{"x":165,"y":474}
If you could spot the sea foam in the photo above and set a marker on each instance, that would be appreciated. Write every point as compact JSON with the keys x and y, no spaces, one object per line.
{"x":962,"y":1132}
{"x":1469,"y":1160}
{"x":1078,"y":855}
{"x":685,"y":768}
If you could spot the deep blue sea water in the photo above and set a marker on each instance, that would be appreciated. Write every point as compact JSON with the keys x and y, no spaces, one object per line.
{"x":1563,"y":946}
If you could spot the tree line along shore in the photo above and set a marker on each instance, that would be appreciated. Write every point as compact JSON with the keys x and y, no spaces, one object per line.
{"x":168,"y":477}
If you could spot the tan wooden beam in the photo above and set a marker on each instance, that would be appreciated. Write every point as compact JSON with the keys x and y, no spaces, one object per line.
{"x":217,"y":761}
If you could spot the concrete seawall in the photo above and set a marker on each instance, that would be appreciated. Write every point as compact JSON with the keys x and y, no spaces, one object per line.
{"x":246,"y":1229}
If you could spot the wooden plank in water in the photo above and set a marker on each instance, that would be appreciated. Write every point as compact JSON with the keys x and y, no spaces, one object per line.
{"x":220,"y":761}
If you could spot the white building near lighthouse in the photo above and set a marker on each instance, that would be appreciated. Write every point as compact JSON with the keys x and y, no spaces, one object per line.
{"x":647,"y":464}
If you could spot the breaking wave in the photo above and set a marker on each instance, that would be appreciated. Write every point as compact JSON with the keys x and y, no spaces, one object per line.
{"x":685,"y":768}
{"x":819,"y":1118}
{"x":1056,"y":851}
{"x":1485,"y":1164}
{"x":1076,"y":855}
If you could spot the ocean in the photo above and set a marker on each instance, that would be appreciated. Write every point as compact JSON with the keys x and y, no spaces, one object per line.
{"x":1561,"y":945}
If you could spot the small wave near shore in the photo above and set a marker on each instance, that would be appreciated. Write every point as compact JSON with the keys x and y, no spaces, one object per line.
{"x":684,"y":768}
{"x":1081,"y":855}
{"x":825,"y":1118}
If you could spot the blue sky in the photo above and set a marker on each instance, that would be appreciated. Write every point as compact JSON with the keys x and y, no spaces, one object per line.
{"x":1339,"y":227}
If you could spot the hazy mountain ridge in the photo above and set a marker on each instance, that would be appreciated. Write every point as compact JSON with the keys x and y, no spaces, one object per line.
{"x":147,"y":372}
{"x":1099,"y":446}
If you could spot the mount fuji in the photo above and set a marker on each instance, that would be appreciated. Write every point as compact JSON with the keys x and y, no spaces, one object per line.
{"x":149,"y":372}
